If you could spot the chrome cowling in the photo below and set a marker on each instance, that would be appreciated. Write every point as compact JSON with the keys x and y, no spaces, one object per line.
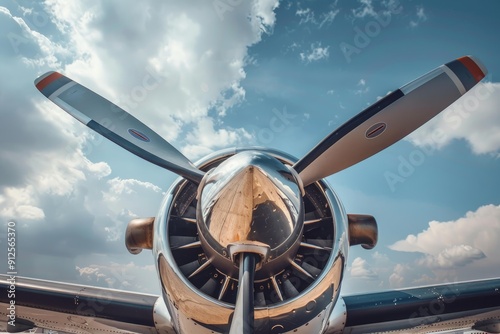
{"x":200,"y":295}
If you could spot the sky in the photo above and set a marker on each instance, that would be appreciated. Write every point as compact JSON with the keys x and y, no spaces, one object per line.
{"x":222,"y":74}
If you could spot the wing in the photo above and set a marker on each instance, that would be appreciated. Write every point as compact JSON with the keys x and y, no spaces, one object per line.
{"x":450,"y":308}
{"x":75,"y":308}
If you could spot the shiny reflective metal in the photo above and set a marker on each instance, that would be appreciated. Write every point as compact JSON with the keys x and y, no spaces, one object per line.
{"x":254,"y":247}
{"x":139,"y":235}
{"x":250,"y":198}
{"x":243,"y":317}
{"x":162,"y":318}
{"x":363,"y":230}
{"x":338,"y":318}
{"x":488,"y":326}
{"x":193,"y":311}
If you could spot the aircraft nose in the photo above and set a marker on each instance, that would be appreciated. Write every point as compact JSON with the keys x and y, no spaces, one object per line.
{"x":250,"y":199}
{"x":250,"y":208}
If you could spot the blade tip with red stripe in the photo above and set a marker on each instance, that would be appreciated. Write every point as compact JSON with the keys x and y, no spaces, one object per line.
{"x":44,"y":80}
{"x":474,"y":66}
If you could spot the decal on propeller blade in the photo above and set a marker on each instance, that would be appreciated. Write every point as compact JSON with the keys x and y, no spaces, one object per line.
{"x":139,"y":135}
{"x":375,"y":130}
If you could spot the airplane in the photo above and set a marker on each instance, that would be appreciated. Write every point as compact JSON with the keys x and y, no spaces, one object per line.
{"x":253,"y":240}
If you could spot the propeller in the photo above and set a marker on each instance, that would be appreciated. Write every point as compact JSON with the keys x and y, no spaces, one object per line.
{"x":243,"y":316}
{"x":390,"y":119}
{"x":114,"y":123}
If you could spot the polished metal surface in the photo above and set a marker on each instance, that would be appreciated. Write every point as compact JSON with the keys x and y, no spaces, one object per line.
{"x":489,"y":326}
{"x":250,"y":198}
{"x":162,"y":318}
{"x":243,"y":316}
{"x":363,"y":230}
{"x":194,"y":310}
{"x":139,"y":235}
{"x":337,"y":319}
{"x":254,"y":247}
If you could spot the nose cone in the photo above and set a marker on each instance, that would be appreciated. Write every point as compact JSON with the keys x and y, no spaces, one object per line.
{"x":250,"y":197}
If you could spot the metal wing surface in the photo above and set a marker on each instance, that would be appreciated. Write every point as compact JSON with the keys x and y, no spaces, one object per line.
{"x":467,"y":307}
{"x":75,"y":308}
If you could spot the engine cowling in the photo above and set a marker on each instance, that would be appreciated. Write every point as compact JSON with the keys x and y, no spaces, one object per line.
{"x":199,"y":283}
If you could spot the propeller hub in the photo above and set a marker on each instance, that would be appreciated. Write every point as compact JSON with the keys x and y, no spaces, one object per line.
{"x":250,"y":202}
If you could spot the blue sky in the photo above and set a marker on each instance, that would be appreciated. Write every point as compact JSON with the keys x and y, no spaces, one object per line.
{"x":226,"y":76}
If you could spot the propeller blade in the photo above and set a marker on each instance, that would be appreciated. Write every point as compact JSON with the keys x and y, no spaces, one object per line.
{"x":390,"y":119}
{"x":114,"y":123}
{"x":243,"y":316}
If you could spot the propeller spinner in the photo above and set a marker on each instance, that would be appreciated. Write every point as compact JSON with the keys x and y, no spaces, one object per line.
{"x":250,"y":215}
{"x":250,"y":203}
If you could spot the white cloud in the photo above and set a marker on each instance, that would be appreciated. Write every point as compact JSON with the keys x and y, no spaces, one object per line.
{"x":397,"y":278}
{"x":316,"y":52}
{"x":363,"y":88}
{"x":478,"y":229}
{"x":420,"y":17}
{"x":264,"y":11}
{"x":204,"y":139}
{"x":128,"y":186}
{"x":68,"y":204}
{"x":365,"y":9}
{"x":307,"y":15}
{"x":303,"y":12}
{"x":421,"y":13}
{"x":361,"y":269}
{"x":367,"y":274}
{"x":24,"y":211}
{"x":474,"y":118}
{"x":456,"y":255}
{"x":15,"y":201}
{"x":327,"y":18}
{"x":118,"y":276}
{"x":455,"y":249}
{"x":99,"y":169}
{"x":179,"y":47}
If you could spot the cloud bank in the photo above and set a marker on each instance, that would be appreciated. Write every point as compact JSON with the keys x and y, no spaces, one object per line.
{"x":473,"y":118}
{"x":452,"y":250}
{"x":177,"y":67}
